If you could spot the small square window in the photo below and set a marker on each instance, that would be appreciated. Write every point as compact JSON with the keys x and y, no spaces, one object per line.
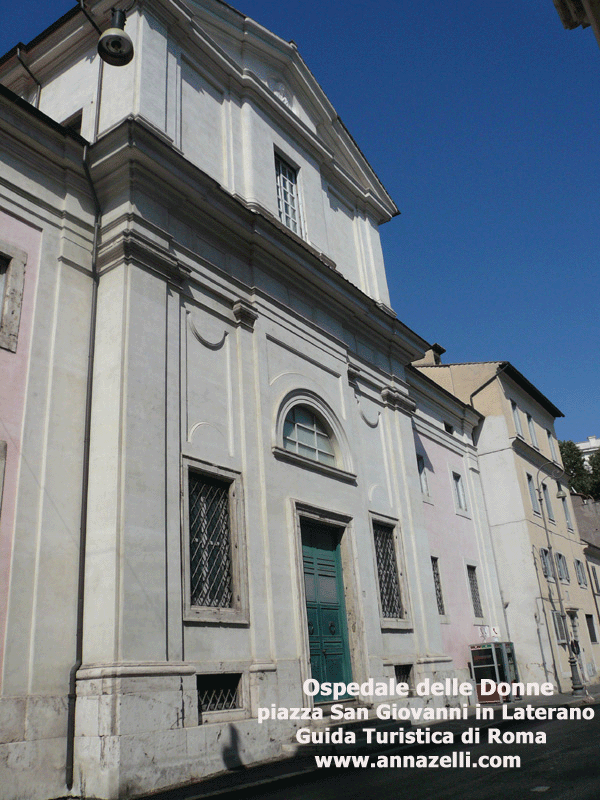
{"x":218,"y":692}
{"x":403,"y":673}
{"x":448,"y":428}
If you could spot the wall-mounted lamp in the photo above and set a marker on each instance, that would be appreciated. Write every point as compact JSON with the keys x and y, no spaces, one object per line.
{"x":115,"y":46}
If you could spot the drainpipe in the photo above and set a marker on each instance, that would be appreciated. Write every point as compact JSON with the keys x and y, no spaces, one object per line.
{"x":72,"y":696}
{"x":91,"y":20}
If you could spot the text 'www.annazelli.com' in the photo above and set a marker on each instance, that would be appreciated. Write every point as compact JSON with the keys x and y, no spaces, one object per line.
{"x":455,"y":760}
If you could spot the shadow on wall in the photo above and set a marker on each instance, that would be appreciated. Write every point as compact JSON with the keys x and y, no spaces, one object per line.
{"x":231,"y":751}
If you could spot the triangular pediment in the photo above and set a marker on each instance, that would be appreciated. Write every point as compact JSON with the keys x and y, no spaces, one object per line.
{"x":257,"y":54}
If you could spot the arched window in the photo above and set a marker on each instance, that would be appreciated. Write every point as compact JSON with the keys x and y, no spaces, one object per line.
{"x":307,"y":435}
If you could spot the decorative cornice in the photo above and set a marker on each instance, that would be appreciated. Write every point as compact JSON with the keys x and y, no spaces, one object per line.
{"x":396,"y":400}
{"x":131,"y":247}
{"x":245,"y":314}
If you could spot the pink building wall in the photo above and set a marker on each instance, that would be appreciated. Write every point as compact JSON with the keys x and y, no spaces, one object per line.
{"x":13,"y":384}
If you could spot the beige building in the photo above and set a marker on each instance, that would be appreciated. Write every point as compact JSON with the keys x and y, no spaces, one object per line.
{"x":547,"y":597}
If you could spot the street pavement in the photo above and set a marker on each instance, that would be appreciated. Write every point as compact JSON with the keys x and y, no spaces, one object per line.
{"x":563,"y":767}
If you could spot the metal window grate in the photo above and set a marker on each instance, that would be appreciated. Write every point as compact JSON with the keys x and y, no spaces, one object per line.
{"x":438,"y":585}
{"x":404,"y":674}
{"x":218,"y":692}
{"x":387,"y":571}
{"x":472,"y":573}
{"x":210,"y":546}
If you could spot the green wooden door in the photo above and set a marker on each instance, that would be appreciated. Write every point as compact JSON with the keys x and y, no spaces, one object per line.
{"x":325,"y":610}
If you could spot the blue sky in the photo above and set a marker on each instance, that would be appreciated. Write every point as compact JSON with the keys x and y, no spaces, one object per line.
{"x":482,"y":121}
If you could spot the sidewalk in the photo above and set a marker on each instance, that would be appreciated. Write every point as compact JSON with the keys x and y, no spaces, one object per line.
{"x":301,"y":767}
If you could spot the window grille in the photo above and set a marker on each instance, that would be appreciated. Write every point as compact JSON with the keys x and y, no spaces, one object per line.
{"x":387,"y":571}
{"x":472,"y":573}
{"x":210,"y":542}
{"x":287,"y":194}
{"x":563,"y":570}
{"x":438,"y":585}
{"x":218,"y":692}
{"x":404,"y":674}
{"x":306,"y":435}
{"x":560,"y":627}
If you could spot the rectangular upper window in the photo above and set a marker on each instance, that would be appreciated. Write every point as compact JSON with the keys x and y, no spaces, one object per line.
{"x":546,"y":563}
{"x":532,"y":433}
{"x":532,"y":494}
{"x":552,"y":446}
{"x":580,"y":572}
{"x":422,"y":474}
{"x":288,"y":202}
{"x":591,"y":628}
{"x":516,"y":418}
{"x":560,"y":627}
{"x":547,"y":503}
{"x":459,"y":491}
{"x":563,"y":569}
{"x":565,"y":506}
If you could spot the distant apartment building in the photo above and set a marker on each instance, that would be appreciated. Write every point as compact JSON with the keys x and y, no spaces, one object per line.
{"x":588,"y":448}
{"x":539,"y":555}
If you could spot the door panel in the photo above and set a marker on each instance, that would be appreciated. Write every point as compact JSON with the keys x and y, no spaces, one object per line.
{"x":325,"y":608}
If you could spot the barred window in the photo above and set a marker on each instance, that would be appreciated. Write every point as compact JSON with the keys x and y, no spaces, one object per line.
{"x":220,"y":692}
{"x":560,"y":627}
{"x":287,"y":195}
{"x":306,"y":435}
{"x":403,"y":673}
{"x":473,"y":585}
{"x":387,"y":571}
{"x":438,"y":585}
{"x":210,"y":542}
